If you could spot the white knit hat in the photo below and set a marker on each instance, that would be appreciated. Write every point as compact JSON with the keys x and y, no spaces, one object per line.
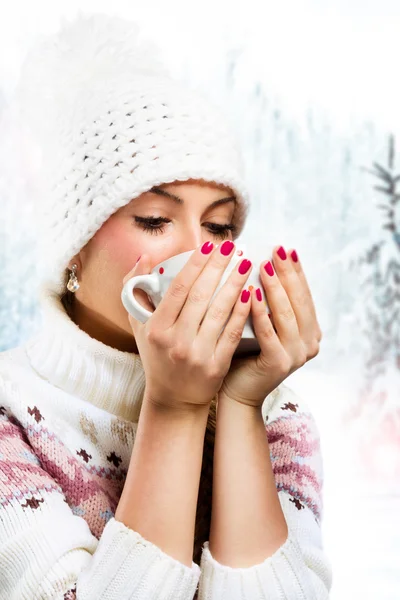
{"x":112,"y":124}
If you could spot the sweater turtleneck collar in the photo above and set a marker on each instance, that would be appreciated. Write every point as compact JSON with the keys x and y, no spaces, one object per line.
{"x":70,"y":359}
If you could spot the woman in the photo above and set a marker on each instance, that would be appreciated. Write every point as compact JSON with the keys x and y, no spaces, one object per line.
{"x":110,"y":441}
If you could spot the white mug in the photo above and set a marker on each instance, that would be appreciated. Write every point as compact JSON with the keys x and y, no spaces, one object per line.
{"x":156,"y":283}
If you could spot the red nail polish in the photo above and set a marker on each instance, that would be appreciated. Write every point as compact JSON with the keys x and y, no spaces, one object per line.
{"x":281,"y":253}
{"x":269,"y":268}
{"x":226,"y":248}
{"x":258,"y":294}
{"x":294,"y":256}
{"x":245,"y":296}
{"x":244,"y":266}
{"x":207,"y":247}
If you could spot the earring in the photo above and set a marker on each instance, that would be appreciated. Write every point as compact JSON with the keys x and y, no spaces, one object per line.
{"x":73,"y":284}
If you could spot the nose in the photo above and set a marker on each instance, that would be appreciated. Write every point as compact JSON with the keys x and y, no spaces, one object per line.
{"x":194,"y":236}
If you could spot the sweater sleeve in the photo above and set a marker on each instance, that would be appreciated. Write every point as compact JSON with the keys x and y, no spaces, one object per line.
{"x":299,"y":569}
{"x":49,"y":553}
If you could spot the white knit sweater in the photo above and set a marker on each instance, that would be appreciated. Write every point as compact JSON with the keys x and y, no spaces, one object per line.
{"x":69,"y":407}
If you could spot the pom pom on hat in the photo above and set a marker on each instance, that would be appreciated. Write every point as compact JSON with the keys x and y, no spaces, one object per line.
{"x":91,"y":49}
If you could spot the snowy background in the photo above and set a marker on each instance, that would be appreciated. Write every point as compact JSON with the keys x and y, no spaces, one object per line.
{"x":312,"y":91}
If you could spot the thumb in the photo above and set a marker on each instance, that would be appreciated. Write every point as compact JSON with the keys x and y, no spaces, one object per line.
{"x":141,"y":267}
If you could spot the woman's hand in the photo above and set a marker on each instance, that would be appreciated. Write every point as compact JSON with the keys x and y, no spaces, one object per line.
{"x":287,"y":340}
{"x":184,"y":357}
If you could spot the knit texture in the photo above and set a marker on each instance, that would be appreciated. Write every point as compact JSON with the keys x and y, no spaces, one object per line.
{"x":111,"y":124}
{"x":69,"y":407}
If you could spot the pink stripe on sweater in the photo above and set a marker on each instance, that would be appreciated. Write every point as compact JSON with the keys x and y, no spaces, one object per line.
{"x":41,"y":463}
{"x":295,"y":454}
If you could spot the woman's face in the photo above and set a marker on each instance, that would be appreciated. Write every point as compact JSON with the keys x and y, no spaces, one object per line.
{"x":113,"y":251}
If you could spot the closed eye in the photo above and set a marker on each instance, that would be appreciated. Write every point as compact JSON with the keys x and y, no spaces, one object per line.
{"x":155,"y":225}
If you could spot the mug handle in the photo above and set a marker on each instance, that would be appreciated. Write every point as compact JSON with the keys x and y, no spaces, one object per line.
{"x":150,"y":283}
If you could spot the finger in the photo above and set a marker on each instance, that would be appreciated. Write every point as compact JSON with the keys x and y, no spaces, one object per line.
{"x":175,"y":297}
{"x":281,"y":309}
{"x":197,"y":307}
{"x":219,"y":311}
{"x":141,"y":267}
{"x":264,"y":330}
{"x":232,"y":334}
{"x":294,"y":257}
{"x":294,"y":282}
{"x":132,"y":271}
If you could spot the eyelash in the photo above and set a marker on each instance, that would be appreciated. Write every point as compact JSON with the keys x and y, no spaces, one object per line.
{"x":150,"y":224}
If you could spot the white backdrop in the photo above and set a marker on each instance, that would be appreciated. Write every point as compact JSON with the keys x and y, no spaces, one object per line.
{"x":311,"y":89}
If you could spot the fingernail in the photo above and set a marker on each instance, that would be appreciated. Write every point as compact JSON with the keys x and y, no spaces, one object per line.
{"x":226,"y":247}
{"x":281,"y":253}
{"x":207,"y":247}
{"x":245,"y":296}
{"x":258,"y":294}
{"x":244,"y":266}
{"x":269,"y":268}
{"x":294,"y":256}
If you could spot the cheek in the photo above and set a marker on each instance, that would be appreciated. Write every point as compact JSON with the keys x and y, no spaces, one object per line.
{"x":114,"y":250}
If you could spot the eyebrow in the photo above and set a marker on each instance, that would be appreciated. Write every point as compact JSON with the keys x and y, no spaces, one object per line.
{"x":177,"y":200}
